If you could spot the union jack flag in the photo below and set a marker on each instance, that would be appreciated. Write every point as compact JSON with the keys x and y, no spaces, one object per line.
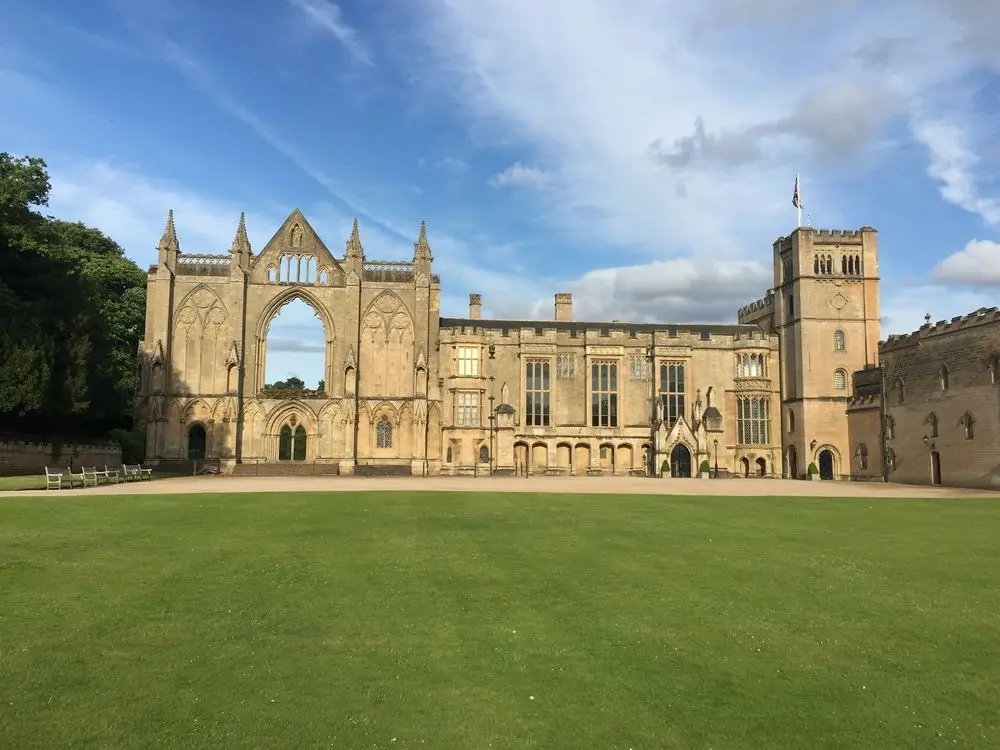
{"x":796,"y":200}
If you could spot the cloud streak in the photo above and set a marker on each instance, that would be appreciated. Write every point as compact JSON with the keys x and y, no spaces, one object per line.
{"x":328,"y":18}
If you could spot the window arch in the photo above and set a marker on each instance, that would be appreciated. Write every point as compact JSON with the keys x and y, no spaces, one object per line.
{"x":751,"y":365}
{"x":484,"y":454}
{"x":839,"y":340}
{"x":995,"y":369}
{"x":840,"y":380}
{"x":383,"y":433}
{"x":890,"y":459}
{"x":791,"y":421}
{"x":932,"y":422}
{"x":900,"y":390}
{"x":944,"y":376}
{"x":890,"y":428}
{"x":862,"y":455}
{"x":969,"y":425}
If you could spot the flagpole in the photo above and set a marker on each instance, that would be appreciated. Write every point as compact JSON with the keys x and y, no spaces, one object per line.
{"x":798,"y":194}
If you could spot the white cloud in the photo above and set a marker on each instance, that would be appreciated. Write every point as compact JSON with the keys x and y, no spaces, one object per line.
{"x":953,"y":163}
{"x":608,"y":95}
{"x":328,"y":17}
{"x":519,"y":175}
{"x":452,"y":164}
{"x":977,"y":264}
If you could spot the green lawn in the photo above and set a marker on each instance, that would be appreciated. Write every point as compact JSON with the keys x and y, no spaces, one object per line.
{"x":22,"y":483}
{"x":452,"y":621}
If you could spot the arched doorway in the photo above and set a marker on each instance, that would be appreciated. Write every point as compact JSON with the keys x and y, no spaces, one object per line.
{"x":826,"y":464}
{"x":292,"y":443}
{"x":761,"y":467}
{"x":935,"y":467}
{"x":745,"y":466}
{"x":197,"y":442}
{"x":793,"y":463}
{"x":680,"y":461}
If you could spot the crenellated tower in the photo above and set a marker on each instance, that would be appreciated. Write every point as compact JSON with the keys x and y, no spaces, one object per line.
{"x":825,"y":312}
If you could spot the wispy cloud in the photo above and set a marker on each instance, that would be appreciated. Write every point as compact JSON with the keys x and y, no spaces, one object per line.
{"x":953,"y":164}
{"x":666,"y":140}
{"x":519,"y":175}
{"x":328,"y":17}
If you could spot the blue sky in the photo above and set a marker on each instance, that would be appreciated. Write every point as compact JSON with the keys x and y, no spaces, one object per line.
{"x":639,"y":154}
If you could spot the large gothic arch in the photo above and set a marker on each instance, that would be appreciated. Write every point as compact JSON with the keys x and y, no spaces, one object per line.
{"x":208,"y":319}
{"x":270,"y":311}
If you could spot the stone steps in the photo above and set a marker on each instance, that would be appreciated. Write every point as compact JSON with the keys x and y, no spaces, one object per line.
{"x":383,"y":470}
{"x":286,"y":469}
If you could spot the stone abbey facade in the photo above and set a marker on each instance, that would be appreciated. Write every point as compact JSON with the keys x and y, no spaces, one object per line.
{"x":410,"y":392}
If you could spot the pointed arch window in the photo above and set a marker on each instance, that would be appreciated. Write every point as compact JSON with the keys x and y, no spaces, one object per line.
{"x":839,"y":341}
{"x":969,"y":425}
{"x":791,"y":421}
{"x":890,"y":428}
{"x":900,"y":391}
{"x":932,"y":423}
{"x":890,"y":459}
{"x":995,"y":370}
{"x":944,"y":376}
{"x":383,"y":433}
{"x":840,"y":380}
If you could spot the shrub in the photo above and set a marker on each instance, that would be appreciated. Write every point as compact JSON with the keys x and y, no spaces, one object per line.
{"x":813,"y":469}
{"x":665,"y":466}
{"x":133,"y":445}
{"x":705,"y":467}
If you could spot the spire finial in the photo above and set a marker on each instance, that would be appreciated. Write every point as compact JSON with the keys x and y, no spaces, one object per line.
{"x":169,"y":239}
{"x":354,"y":247}
{"x":422,"y":248}
{"x":241,"y":242}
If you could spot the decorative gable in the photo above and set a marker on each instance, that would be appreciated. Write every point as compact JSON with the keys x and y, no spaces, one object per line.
{"x":296,"y":255}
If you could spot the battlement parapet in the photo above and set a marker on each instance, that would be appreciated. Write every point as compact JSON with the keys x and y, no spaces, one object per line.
{"x":978,"y":317}
{"x":765,"y":303}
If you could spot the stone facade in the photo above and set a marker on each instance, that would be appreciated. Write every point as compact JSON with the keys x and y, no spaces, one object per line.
{"x":941,"y":404}
{"x":428,"y":395}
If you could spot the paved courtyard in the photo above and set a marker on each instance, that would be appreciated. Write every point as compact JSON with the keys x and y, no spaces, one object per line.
{"x":575,"y":485}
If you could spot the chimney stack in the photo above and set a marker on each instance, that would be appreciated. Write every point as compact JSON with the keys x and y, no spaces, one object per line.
{"x":475,"y":306}
{"x":564,"y":306}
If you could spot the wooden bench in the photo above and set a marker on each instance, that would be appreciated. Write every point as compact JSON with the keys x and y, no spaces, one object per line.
{"x":53,"y":479}
{"x":101,"y":474}
{"x":81,"y":478}
{"x":114,"y":474}
{"x":136,"y":472}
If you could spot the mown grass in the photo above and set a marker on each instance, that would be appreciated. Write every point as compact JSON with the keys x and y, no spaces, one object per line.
{"x":413,"y":620}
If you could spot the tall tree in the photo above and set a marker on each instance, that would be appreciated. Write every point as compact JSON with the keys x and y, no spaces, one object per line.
{"x":76,"y":304}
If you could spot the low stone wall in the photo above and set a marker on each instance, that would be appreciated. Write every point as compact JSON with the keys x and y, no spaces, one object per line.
{"x":19,"y":457}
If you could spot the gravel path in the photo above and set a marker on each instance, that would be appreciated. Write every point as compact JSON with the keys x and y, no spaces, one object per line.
{"x":574,"y":485}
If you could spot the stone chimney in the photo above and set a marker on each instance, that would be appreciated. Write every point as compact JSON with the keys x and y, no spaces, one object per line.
{"x":564,"y":306}
{"x":475,"y":306}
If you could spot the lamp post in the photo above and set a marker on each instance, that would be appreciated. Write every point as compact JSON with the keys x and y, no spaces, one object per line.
{"x":651,"y":358}
{"x":492,"y":352}
{"x":884,"y":422}
{"x":716,"y":444}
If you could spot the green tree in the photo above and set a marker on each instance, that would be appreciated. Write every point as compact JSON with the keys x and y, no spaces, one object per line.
{"x":72,"y":306}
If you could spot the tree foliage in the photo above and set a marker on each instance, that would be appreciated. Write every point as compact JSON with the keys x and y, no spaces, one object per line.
{"x":293,"y":388}
{"x":72,"y":309}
